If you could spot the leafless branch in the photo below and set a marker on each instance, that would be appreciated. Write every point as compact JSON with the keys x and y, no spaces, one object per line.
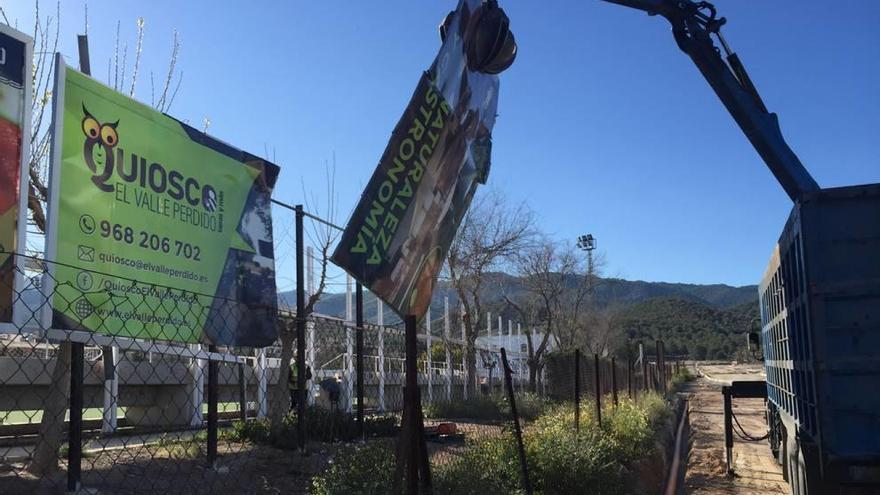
{"x":164,"y":101}
{"x":139,"y":40}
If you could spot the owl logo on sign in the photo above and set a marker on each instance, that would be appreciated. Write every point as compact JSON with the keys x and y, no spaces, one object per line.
{"x":98,"y":148}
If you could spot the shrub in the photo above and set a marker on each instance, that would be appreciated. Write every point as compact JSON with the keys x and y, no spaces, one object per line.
{"x":529,"y":405}
{"x":360,"y":469}
{"x":595,"y":460}
{"x":256,"y":430}
{"x":481,"y":407}
{"x":489,"y":408}
{"x":321,"y":425}
{"x":682,"y":376}
{"x":561,"y":460}
{"x":485,"y":467}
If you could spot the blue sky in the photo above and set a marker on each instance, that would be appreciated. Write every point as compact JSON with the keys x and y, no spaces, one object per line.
{"x":604,"y":125}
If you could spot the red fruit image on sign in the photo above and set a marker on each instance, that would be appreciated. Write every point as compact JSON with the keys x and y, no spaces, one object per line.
{"x":10,"y":156}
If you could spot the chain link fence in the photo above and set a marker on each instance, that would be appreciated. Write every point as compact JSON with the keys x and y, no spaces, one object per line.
{"x":132,"y":409}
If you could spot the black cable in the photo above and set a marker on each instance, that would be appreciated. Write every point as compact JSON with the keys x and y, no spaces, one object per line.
{"x":742,"y":432}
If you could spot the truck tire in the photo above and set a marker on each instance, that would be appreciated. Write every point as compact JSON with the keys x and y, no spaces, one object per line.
{"x":775,"y":430}
{"x":803,"y":468}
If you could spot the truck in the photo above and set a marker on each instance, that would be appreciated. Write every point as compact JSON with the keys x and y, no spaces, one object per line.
{"x":820,"y":333}
{"x":820,"y":296}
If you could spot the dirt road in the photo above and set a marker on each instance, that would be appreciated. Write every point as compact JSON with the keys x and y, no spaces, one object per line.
{"x":756,"y":472}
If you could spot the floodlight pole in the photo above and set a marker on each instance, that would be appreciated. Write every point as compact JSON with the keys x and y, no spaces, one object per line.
{"x":588,"y":243}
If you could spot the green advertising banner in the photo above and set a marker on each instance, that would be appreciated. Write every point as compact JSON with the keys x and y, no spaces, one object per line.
{"x":159,"y":231}
{"x":401,"y":230}
{"x":15,"y":82}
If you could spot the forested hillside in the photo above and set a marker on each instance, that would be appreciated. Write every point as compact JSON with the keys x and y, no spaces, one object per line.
{"x":687,"y":327}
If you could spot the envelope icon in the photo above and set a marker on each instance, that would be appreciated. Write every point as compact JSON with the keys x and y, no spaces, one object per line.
{"x":86,"y":253}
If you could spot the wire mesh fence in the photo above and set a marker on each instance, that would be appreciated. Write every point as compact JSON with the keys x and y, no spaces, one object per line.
{"x":140,"y":406}
{"x":103,"y":384}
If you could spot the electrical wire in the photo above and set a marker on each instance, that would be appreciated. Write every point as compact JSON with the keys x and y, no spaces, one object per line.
{"x":742,"y":432}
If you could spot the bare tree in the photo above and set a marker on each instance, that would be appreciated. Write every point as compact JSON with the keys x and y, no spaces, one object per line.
{"x":323,"y":235}
{"x":46,"y":39}
{"x":579,"y":316}
{"x":491,"y":232}
{"x":544,"y":269}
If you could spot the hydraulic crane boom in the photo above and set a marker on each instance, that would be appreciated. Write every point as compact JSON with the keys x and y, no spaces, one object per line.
{"x":693,"y":23}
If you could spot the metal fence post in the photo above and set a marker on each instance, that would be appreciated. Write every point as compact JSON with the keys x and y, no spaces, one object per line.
{"x":242,"y":393}
{"x":644,"y":359}
{"x":74,"y":445}
{"x":77,"y":356}
{"x":428,"y":371}
{"x":577,"y":390}
{"x":213,"y":387}
{"x":464,"y":366}
{"x":300,"y":333}
{"x":614,"y":381}
{"x":262,"y":383}
{"x":198,"y":388}
{"x":524,"y":469}
{"x":543,"y":382}
{"x":380,"y":309}
{"x":359,"y":317}
{"x":448,"y":350}
{"x":312,"y":386}
{"x":348,"y":365}
{"x":111,"y":388}
{"x":310,"y":327}
{"x":413,"y":448}
{"x":519,"y":353}
{"x":488,"y":345}
{"x":629,"y":378}
{"x":728,"y":426}
{"x":509,"y":343}
{"x":598,"y":391}
{"x":500,"y":344}
{"x":659,"y":384}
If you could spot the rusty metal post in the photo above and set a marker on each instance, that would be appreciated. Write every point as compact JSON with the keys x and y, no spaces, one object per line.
{"x":527,"y":485}
{"x":598,"y":390}
{"x":359,"y":355}
{"x":577,"y":390}
{"x":614,"y":381}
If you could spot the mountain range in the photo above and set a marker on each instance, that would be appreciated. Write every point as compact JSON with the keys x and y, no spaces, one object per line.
{"x":613,"y":292}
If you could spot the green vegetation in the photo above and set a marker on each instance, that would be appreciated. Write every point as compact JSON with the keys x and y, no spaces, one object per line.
{"x":687,"y":327}
{"x":596,"y":459}
{"x":321,"y":425}
{"x":680,"y":377}
{"x":488,"y":408}
{"x":183,"y":448}
{"x":438,"y":353}
{"x":360,"y":469}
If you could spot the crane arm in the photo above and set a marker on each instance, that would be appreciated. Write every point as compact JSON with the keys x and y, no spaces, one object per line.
{"x":693,"y":24}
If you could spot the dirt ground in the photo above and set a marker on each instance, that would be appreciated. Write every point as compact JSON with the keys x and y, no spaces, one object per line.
{"x":241,"y":468}
{"x":179,"y":467}
{"x":755,"y":470}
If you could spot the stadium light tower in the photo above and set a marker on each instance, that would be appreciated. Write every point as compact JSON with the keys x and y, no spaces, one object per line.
{"x":588,"y":243}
